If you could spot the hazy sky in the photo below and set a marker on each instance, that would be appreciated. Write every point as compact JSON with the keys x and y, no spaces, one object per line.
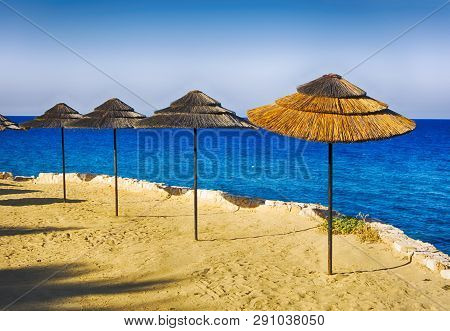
{"x":243,"y":53}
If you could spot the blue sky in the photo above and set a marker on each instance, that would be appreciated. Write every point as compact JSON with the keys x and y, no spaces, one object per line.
{"x":243,"y":53}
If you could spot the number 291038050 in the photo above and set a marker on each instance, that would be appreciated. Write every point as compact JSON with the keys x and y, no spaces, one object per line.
{"x":288,"y":319}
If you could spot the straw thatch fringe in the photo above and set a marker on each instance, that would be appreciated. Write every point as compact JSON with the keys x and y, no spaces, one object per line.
{"x":61,"y":110}
{"x":183,"y":120}
{"x":330,"y":109}
{"x":60,"y":115}
{"x":112,"y":114}
{"x":6,"y":124}
{"x":311,"y":103}
{"x":324,"y":127}
{"x":105,"y":122}
{"x":195,"y":110}
{"x":331,"y":85}
{"x":114,"y":108}
{"x":49,"y":124}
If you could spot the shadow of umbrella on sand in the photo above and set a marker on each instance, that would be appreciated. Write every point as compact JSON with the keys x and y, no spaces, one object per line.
{"x":59,"y":116}
{"x":195,"y":110}
{"x":332,"y":110}
{"x":112,"y":114}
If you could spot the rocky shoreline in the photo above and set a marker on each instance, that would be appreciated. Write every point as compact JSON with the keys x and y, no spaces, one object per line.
{"x":419,"y":252}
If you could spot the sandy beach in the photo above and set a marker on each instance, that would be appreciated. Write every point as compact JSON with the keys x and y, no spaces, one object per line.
{"x":78,"y":256}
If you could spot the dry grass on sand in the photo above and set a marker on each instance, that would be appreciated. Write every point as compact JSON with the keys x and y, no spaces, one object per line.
{"x":78,"y":256}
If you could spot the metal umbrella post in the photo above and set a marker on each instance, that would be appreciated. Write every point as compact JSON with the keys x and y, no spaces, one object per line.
{"x":195,"y":185}
{"x":63,"y":163}
{"x":115,"y":172}
{"x":330,"y":209}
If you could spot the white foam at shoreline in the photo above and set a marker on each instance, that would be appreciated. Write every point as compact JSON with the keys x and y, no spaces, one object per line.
{"x":420,"y":252}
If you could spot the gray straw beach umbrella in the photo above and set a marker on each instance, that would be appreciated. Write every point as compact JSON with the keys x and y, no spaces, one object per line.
{"x":331,"y":110}
{"x":112,"y":114}
{"x":59,"y":116}
{"x":6,"y":124}
{"x":195,"y":110}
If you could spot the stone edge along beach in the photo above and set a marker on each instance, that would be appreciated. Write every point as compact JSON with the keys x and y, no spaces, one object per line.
{"x":419,"y":252}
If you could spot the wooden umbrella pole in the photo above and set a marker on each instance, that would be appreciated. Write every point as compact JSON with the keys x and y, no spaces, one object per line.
{"x":195,"y":184}
{"x":115,"y":172}
{"x":63,"y":163}
{"x":330,"y":209}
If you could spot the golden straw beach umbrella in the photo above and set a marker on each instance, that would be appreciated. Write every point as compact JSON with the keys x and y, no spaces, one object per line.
{"x":195,"y":110}
{"x":112,"y":114}
{"x":6,"y":124}
{"x":331,"y":110}
{"x":59,"y":116}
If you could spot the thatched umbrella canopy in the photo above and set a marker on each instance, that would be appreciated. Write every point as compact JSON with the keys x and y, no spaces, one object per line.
{"x":332,"y":110}
{"x":195,"y":110}
{"x":6,"y":124}
{"x":59,"y":116}
{"x":112,"y":114}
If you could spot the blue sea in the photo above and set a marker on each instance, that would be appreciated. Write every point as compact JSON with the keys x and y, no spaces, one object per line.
{"x":404,"y":181}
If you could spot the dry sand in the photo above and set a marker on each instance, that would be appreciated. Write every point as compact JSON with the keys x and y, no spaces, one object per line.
{"x":78,"y":256}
